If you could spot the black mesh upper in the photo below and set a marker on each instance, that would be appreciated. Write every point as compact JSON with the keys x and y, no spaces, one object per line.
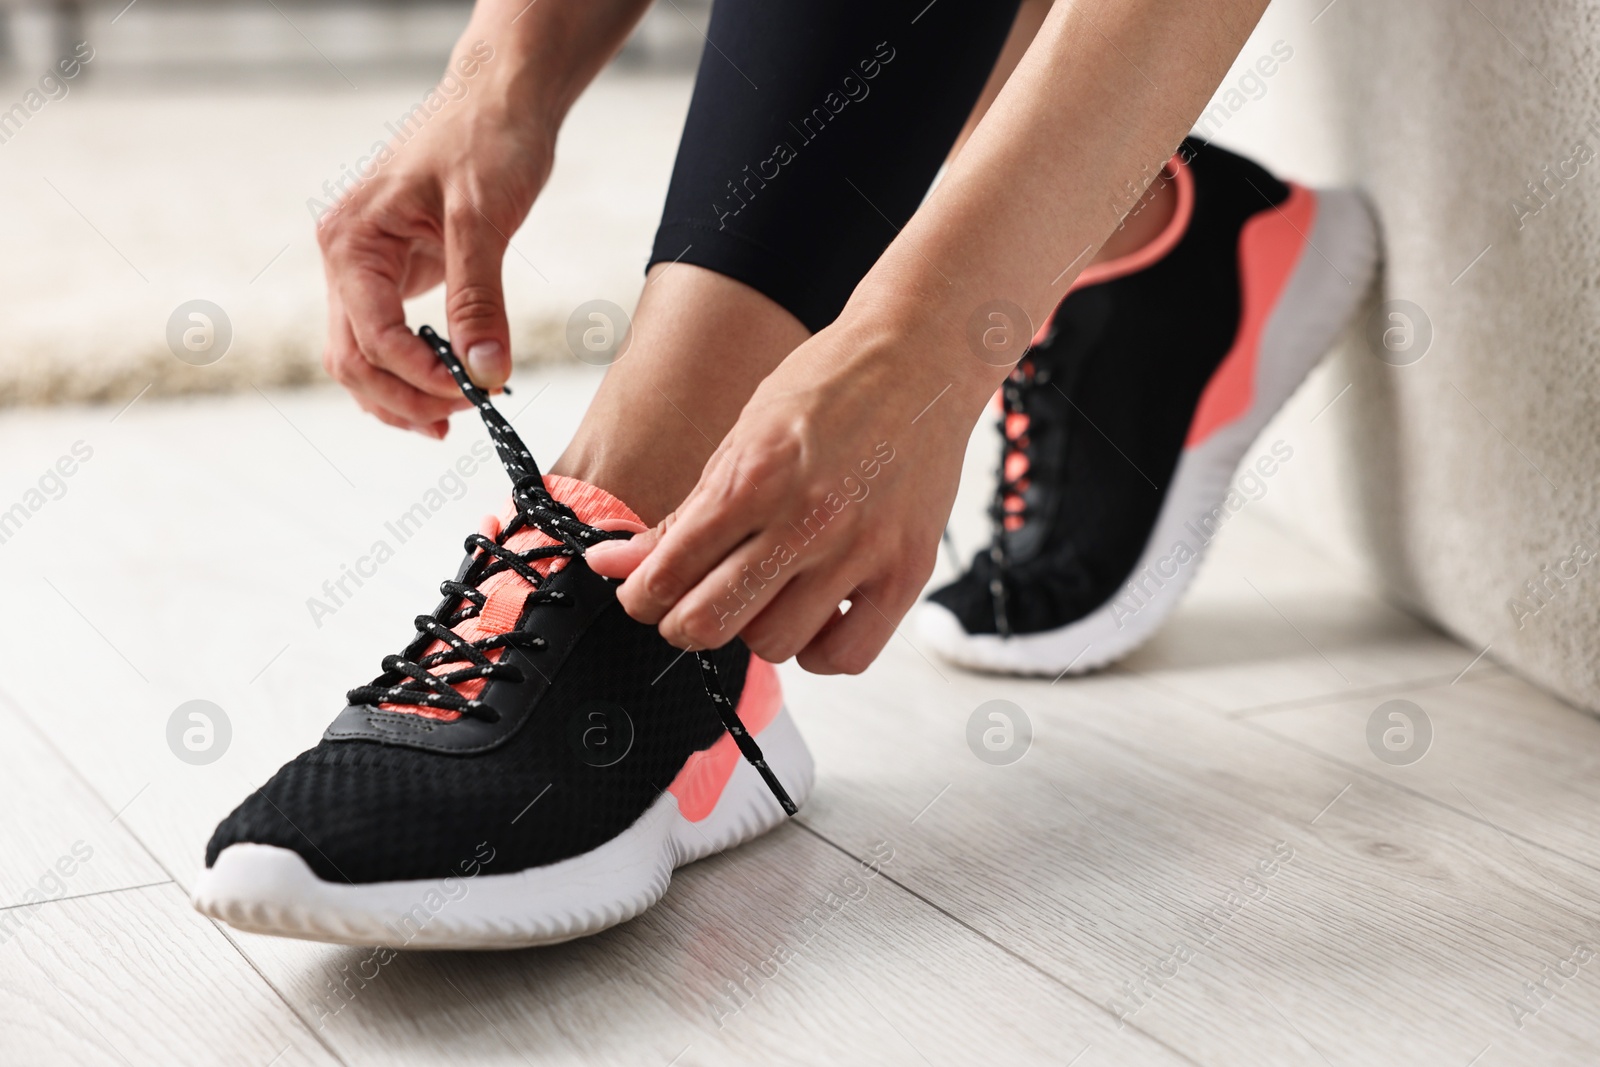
{"x":1133,"y":354}
{"x":362,"y":811}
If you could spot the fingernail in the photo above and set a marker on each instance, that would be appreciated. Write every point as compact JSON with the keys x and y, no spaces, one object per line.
{"x":613,"y":525}
{"x":611,"y":559}
{"x":487,"y":364}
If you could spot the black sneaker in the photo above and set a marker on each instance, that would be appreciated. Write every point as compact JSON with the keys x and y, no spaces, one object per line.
{"x":1126,"y":421}
{"x":531,"y":769}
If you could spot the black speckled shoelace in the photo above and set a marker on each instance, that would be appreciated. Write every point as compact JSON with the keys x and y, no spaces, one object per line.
{"x":1010,"y":501}
{"x":1010,"y":509}
{"x":411,"y":682}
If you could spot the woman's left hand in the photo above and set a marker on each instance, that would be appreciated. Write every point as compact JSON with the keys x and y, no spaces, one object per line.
{"x":834,"y":485}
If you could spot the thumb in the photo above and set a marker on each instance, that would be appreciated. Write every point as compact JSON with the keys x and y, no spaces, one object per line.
{"x":618,"y":559}
{"x":474,"y":251}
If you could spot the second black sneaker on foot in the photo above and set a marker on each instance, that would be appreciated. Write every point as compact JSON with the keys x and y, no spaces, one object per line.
{"x":1127,"y":419}
{"x":530,"y":769}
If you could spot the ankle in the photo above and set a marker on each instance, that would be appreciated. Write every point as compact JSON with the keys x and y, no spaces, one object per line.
{"x":702,"y":343}
{"x":1147,"y":222}
{"x":650,"y":487}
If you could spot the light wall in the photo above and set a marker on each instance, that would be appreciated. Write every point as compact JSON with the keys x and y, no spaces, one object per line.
{"x":1457,"y":479}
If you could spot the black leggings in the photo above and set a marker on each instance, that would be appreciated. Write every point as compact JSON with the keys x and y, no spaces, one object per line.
{"x":815,"y":129}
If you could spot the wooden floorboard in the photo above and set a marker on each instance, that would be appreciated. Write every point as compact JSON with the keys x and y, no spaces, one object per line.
{"x":57,"y":838}
{"x":1269,"y":621}
{"x":1408,"y":913}
{"x":1398,"y":931}
{"x":1501,"y":750}
{"x":873,"y":975}
{"x":136,"y":977}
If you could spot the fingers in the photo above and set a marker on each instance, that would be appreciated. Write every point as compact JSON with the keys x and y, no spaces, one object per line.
{"x":378,"y":322}
{"x":618,"y":559}
{"x":784,"y":605}
{"x":805,"y":620}
{"x":388,"y":394}
{"x":474,"y":302}
{"x":391,"y":400}
{"x":735,"y":592}
{"x":399,"y":398}
{"x":787,"y":624}
{"x":850,"y":642}
{"x":613,"y":525}
{"x":715,"y":520}
{"x":436,"y":430}
{"x":366,"y":269}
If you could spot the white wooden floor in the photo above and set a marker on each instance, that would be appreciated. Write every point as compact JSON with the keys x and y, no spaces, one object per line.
{"x":1200,"y":860}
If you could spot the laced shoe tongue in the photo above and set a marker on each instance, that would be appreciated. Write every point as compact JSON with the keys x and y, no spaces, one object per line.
{"x":562,"y":518}
{"x":556,"y":520}
{"x":506,"y":593}
{"x":1015,"y":462}
{"x":1009,"y":511}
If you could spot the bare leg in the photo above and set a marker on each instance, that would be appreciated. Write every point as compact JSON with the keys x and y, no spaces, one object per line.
{"x":1030,"y":16}
{"x":701,"y":344}
{"x":1148,"y":218}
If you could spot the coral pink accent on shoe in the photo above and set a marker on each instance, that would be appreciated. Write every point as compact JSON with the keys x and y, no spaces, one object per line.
{"x":506,"y":592}
{"x":1270,"y":245}
{"x":1164,"y":242}
{"x":1150,"y":254}
{"x":699,"y":785}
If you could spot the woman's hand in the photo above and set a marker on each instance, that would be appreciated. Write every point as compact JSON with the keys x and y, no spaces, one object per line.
{"x":440,"y":205}
{"x":771,"y":539}
{"x":834,"y":485}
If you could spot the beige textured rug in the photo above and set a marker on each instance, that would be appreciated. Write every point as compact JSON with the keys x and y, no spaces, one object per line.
{"x":122,"y":207}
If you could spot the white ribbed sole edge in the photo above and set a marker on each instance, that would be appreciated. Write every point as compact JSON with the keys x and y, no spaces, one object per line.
{"x":269,"y":890}
{"x":1328,"y":284}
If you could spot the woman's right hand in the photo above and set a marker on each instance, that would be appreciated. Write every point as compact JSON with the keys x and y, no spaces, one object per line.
{"x":439,"y":205}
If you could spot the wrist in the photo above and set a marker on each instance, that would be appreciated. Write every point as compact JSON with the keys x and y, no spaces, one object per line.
{"x":510,"y":76}
{"x":545,"y":55}
{"x":926,"y":331}
{"x":871,"y":369}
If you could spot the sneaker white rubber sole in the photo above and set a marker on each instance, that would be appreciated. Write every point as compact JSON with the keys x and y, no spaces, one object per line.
{"x":270,"y":890}
{"x":1328,"y":283}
